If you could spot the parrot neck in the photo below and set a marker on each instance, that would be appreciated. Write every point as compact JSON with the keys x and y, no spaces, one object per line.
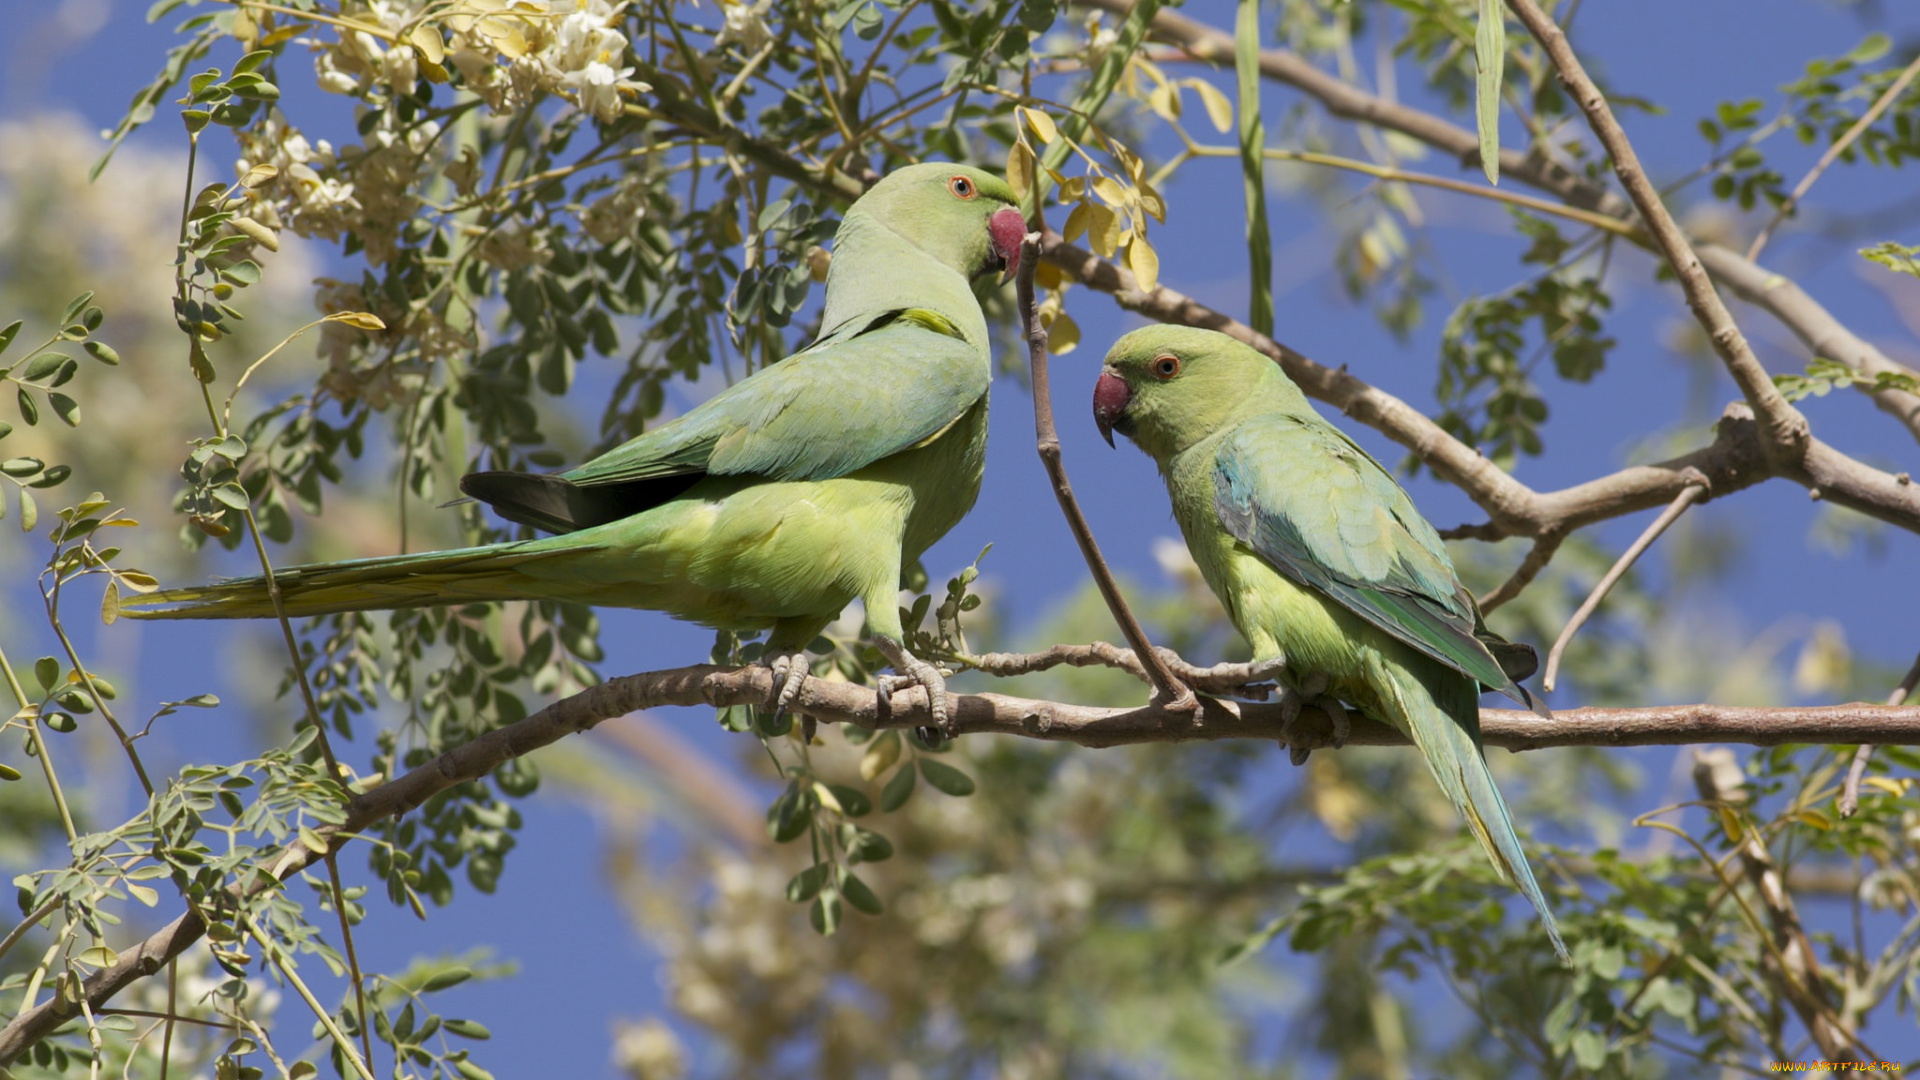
{"x":876,"y":270}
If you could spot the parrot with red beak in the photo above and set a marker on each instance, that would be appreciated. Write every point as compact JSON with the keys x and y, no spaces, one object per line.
{"x":802,"y":487}
{"x":1321,"y":559}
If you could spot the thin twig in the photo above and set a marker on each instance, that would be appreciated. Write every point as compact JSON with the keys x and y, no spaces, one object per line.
{"x":1537,"y":558}
{"x":1786,"y":433}
{"x":1242,"y":679}
{"x":1849,"y":801}
{"x":1689,"y":495}
{"x":835,"y":702}
{"x":1833,"y":153}
{"x":1716,"y":774}
{"x":1168,"y":690}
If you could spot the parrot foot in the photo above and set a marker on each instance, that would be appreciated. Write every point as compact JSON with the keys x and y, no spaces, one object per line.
{"x":1292,"y":700}
{"x":913,"y":671}
{"x":1337,"y":712}
{"x":790,"y":670}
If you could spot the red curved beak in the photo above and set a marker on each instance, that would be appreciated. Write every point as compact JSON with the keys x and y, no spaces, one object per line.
{"x":1110,"y":398}
{"x":1008,"y":229}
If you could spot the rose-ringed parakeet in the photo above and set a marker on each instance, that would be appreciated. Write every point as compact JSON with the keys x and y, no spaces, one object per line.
{"x":802,"y":487}
{"x":1320,"y":558}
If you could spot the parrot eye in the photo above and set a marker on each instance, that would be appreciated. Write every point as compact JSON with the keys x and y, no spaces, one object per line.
{"x":1166,"y":367}
{"x":961,"y":187}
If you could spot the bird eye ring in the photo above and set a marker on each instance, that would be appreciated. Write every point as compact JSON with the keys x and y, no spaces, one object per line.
{"x":961,"y":187}
{"x":1166,"y":367}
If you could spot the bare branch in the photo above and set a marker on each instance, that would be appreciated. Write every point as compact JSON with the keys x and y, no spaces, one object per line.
{"x":837,"y":702}
{"x":1736,"y":459}
{"x":1814,"y":325}
{"x":1717,"y":776}
{"x":1537,"y":558}
{"x":1784,"y":427}
{"x":1832,"y":155}
{"x":1693,"y":493}
{"x":1849,"y":801}
{"x":1238,"y":680}
{"x":1166,"y":688}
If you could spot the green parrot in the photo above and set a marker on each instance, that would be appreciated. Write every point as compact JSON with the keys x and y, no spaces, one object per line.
{"x":800,"y":488}
{"x":1320,"y":558}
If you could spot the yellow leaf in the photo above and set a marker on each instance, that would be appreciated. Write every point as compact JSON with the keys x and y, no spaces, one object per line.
{"x":1730,"y":821}
{"x":881,"y":754}
{"x":1814,"y":818}
{"x":1063,"y":334}
{"x":98,"y":956}
{"x":359,"y":320}
{"x":1020,"y":170}
{"x":257,"y":232}
{"x":1110,"y":191}
{"x":137,"y":581}
{"x":1076,"y":224}
{"x":258,"y":175}
{"x":110,"y":604}
{"x":243,"y":27}
{"x":1890,"y":786}
{"x":1040,"y":122}
{"x":1103,"y":229}
{"x":1219,"y":109}
{"x":143,"y":894}
{"x":426,"y":38}
{"x":1164,"y":100}
{"x":818,"y":260}
{"x":1144,"y":263}
{"x":1151,"y":202}
{"x":1048,"y":276}
{"x":1073,"y":190}
{"x":313,"y":841}
{"x":826,"y":798}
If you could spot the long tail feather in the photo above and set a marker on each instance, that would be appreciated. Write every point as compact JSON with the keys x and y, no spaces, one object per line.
{"x":464,"y":575}
{"x":1453,"y":752}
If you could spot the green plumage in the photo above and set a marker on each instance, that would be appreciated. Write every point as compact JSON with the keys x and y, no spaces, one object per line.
{"x":775,"y":503}
{"x":1320,"y":558}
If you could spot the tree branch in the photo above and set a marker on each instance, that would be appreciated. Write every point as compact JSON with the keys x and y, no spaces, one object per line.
{"x":1166,"y":688}
{"x":1785,"y":429}
{"x":1538,"y":556}
{"x":1849,"y":800}
{"x":1691,"y":494}
{"x":1718,"y":778}
{"x":1814,"y":325}
{"x":837,"y":702}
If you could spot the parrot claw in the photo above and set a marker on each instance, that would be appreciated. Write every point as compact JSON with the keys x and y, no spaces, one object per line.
{"x":913,"y":671}
{"x":1342,"y":725}
{"x":1290,"y":703}
{"x":790,"y":671}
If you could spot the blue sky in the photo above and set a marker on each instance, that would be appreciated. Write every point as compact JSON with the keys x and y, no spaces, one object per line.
{"x":552,"y":913}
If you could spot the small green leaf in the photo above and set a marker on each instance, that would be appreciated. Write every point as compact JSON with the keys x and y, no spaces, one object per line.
{"x":825,"y":913}
{"x":46,"y":671}
{"x":859,"y":896}
{"x":29,"y":512}
{"x":65,"y":408}
{"x":446,"y":980}
{"x":467,"y":1029}
{"x":8,"y":772}
{"x":149,"y":897}
{"x":1489,"y":58}
{"x":231,"y":495}
{"x":807,"y":883}
{"x":898,"y":789}
{"x":7,"y":333}
{"x":102,"y":352}
{"x":945,"y":777}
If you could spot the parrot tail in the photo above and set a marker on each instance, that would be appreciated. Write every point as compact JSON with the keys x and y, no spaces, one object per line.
{"x":1452,"y":749}
{"x":461,"y":576}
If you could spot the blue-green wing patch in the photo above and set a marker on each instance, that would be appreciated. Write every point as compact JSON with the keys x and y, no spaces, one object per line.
{"x":839,"y":405}
{"x":1327,"y":516}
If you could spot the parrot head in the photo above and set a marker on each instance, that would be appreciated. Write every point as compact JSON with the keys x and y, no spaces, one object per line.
{"x":963,"y":216}
{"x":1168,"y":387}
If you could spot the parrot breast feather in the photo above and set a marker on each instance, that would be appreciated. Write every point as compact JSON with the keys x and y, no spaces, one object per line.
{"x":1328,"y":517}
{"x":837,"y":406}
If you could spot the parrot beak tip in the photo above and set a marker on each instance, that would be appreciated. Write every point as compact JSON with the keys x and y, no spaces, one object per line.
{"x":1110,"y":398}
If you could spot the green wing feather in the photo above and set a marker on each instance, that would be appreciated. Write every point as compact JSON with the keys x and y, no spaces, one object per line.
{"x":1327,"y":516}
{"x":843,"y":403}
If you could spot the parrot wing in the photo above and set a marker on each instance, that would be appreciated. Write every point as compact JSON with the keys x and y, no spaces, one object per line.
{"x":855,"y":396}
{"x":1328,"y":517}
{"x":844,"y":402}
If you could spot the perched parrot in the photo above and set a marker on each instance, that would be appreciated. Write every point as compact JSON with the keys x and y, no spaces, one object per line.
{"x":1320,"y":558}
{"x":807,"y":485}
